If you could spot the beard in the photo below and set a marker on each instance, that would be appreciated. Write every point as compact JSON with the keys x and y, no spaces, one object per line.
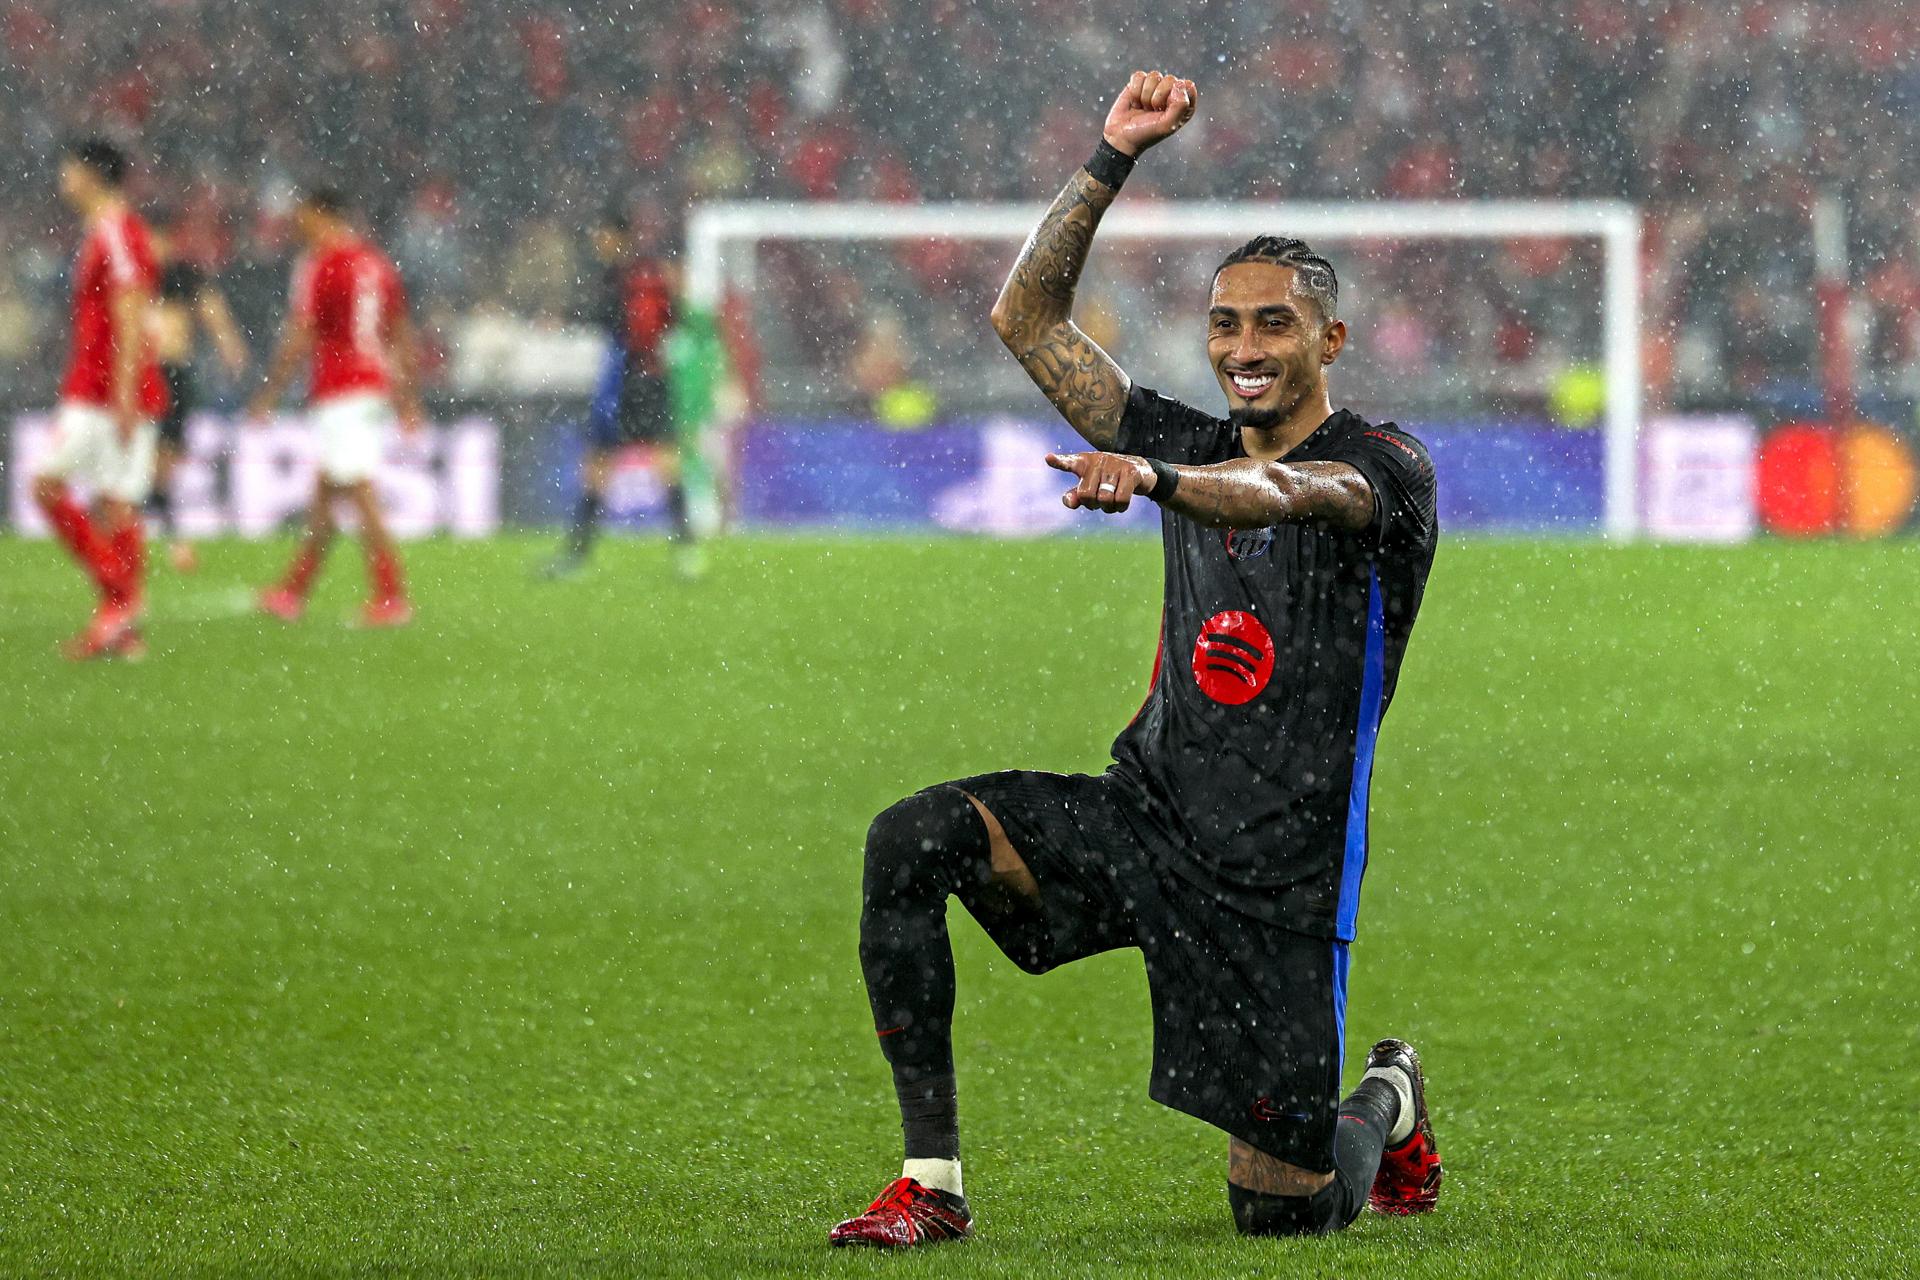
{"x":1256,"y":419}
{"x":1250,"y":417}
{"x":1293,"y":382}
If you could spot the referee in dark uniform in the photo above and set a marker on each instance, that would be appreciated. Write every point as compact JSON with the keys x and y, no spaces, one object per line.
{"x":632,"y":404}
{"x":186,"y":306}
{"x":1228,"y":840}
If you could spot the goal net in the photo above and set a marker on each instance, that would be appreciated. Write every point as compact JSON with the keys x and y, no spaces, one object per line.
{"x":1505,"y":334}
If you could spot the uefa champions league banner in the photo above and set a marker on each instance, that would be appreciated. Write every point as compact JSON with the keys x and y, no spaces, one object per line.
{"x":991,"y":477}
{"x":254,"y":480}
{"x":980,"y":477}
{"x":966,"y":478}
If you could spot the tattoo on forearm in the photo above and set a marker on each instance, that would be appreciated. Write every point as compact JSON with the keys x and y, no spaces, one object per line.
{"x":1249,"y":494}
{"x":1033,"y":315}
{"x":1051,"y":260}
{"x":1081,"y":381}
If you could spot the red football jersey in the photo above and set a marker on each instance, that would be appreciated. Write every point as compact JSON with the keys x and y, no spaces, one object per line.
{"x":115,"y":254}
{"x":353,"y":298}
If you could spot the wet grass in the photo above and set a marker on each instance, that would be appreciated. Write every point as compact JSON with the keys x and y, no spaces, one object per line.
{"x":523,"y":941}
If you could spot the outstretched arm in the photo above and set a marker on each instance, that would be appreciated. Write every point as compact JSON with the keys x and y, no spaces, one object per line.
{"x":1242,"y":494}
{"x":1033,"y":314}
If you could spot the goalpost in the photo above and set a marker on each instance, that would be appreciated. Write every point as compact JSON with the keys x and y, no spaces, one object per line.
{"x":721,"y":241}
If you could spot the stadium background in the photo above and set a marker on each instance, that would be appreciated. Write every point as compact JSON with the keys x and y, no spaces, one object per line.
{"x":521,"y":940}
{"x":483,"y":135}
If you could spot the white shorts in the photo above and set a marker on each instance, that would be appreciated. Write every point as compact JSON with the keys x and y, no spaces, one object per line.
{"x":350,"y":435}
{"x":87,"y":450}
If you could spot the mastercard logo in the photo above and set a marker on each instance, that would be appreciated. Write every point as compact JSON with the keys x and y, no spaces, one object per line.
{"x":1859,"y":480}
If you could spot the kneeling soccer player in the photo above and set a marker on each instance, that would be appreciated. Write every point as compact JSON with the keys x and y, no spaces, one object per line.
{"x":1228,"y":839}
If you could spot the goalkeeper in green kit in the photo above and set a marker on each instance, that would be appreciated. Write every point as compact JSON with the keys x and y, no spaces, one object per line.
{"x":705,"y":393}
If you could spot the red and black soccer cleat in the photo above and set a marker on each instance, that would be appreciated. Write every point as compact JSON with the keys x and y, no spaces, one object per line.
{"x":1409,"y":1176}
{"x":906,"y":1214}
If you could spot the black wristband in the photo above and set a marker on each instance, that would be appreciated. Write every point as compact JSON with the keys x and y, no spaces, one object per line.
{"x":1165,"y":479}
{"x":1109,"y":166}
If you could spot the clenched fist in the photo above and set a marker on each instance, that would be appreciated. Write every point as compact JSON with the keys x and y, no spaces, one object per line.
{"x":1154,"y":106}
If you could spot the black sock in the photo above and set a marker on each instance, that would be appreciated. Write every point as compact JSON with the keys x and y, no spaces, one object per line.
{"x":160,"y":504}
{"x":586,"y":523}
{"x":677,"y":508}
{"x":930,"y":1117}
{"x":1359,"y":1136}
{"x":918,"y":853}
{"x":1366,"y":1118}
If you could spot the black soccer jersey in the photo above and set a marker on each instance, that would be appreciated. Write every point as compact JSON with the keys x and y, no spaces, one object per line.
{"x":1279,"y":650}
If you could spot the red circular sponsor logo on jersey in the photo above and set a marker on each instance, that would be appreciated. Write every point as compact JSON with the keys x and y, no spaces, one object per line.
{"x":1233,"y":658}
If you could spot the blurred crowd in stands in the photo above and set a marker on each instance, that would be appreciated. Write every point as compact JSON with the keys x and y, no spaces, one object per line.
{"x":483,"y":136}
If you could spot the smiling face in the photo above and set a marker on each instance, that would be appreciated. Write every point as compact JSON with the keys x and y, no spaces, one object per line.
{"x":1269,"y":345}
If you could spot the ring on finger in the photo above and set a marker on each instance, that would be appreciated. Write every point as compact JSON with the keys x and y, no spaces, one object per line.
{"x":1108,"y":485}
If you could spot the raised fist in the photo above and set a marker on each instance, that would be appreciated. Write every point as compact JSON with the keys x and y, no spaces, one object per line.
{"x":1153,"y":106}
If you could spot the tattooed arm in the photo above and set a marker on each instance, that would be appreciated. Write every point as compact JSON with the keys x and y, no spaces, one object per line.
{"x":1034,"y":313}
{"x":1242,"y":494}
{"x":1033,"y":317}
{"x":1245,"y":494}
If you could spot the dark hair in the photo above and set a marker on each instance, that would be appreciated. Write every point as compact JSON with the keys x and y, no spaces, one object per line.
{"x":324,"y":198}
{"x":1312,"y":274}
{"x":106,"y":159}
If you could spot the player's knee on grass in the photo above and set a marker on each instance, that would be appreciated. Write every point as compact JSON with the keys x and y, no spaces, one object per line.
{"x":1256,"y":1213}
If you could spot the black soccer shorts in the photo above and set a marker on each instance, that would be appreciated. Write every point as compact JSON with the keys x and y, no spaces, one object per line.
{"x":1248,"y":1017}
{"x":643,"y":414}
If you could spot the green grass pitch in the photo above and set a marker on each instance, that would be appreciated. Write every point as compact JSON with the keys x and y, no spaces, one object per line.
{"x":522,"y":941}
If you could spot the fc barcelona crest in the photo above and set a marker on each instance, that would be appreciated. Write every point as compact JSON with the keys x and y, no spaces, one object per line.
{"x":1245,"y":544}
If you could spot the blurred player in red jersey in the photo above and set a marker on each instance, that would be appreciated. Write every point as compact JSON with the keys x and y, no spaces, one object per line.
{"x":348,"y":312}
{"x":104,"y":431}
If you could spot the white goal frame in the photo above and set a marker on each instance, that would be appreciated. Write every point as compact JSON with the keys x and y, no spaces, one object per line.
{"x":721,"y":238}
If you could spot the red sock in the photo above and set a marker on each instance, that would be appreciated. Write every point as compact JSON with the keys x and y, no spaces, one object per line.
{"x":130,"y":559}
{"x":305,"y":566}
{"x":72,"y":527}
{"x":384,"y":568}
